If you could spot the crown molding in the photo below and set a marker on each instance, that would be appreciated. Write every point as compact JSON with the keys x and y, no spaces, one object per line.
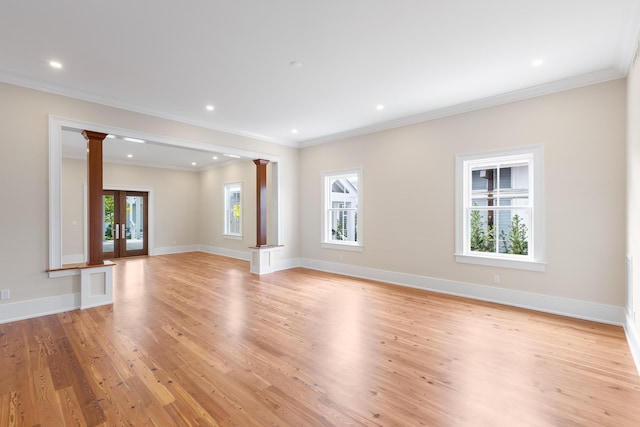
{"x":52,"y":88}
{"x":493,"y":101}
{"x":616,"y":72}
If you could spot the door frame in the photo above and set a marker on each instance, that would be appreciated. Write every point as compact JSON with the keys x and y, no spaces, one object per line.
{"x":150,"y":215}
{"x":120,"y":249}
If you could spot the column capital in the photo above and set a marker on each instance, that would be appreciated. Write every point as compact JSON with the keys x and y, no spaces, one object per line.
{"x":260,"y":162}
{"x":90,"y":135}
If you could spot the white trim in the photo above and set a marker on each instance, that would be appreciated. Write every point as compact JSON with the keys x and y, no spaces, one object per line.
{"x":56,"y":124}
{"x":325,"y":241}
{"x":575,"y":82}
{"x":167,"y":250}
{"x":225,"y":206}
{"x":150,"y":212}
{"x":546,"y":303}
{"x":64,"y":273}
{"x":55,"y":198}
{"x":536,"y":259}
{"x":342,"y":246}
{"x":633,"y":339}
{"x":38,"y":307}
{"x":502,"y":263}
{"x":230,"y":253}
{"x":23,"y":81}
{"x":233,"y":236}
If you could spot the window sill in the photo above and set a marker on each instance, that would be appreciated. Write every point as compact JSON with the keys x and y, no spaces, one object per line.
{"x":232,"y":237}
{"x":343,"y":246}
{"x":503,"y":263}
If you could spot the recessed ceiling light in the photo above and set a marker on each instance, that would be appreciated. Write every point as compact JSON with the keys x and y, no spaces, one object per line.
{"x":55,"y":64}
{"x":139,"y":141}
{"x":379,"y":107}
{"x":233,"y":156}
{"x":215,"y":157}
{"x":129,"y":155}
{"x":295,"y":64}
{"x":111,"y":136}
{"x":537,"y":62}
{"x":193,"y":163}
{"x":294,"y":130}
{"x":210,"y":108}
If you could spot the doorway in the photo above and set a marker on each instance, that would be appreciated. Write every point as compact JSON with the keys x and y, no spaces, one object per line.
{"x":125,"y":218}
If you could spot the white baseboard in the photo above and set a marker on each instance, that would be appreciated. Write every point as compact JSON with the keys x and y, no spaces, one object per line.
{"x":38,"y":307}
{"x":174,"y":250}
{"x":634,"y":341}
{"x":73,"y":259}
{"x":546,"y":303}
{"x":287,"y":263}
{"x":246,"y":256}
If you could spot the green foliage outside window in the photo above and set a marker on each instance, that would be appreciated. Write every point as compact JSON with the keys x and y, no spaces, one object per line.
{"x":515,"y":242}
{"x":108,"y":216}
{"x":482,"y":238}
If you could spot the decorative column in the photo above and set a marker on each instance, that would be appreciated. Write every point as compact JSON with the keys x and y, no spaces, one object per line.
{"x":261,"y":202}
{"x":94,"y":194}
{"x":264,"y":257}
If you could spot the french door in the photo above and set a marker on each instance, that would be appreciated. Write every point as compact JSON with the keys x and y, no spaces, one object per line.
{"x":125,"y":220}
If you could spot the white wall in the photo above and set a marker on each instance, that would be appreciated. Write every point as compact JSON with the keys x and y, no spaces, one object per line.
{"x":408,"y":197}
{"x":24,"y":139}
{"x":633,"y":196}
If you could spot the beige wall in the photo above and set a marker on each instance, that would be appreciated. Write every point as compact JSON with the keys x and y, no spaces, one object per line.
{"x":24,"y":157}
{"x":633,"y":187}
{"x":408,"y":180}
{"x":408,"y":189}
{"x":175,"y":195}
{"x":212,"y":212}
{"x":73,"y":177}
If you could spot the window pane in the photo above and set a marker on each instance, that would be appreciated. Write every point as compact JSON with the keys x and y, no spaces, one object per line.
{"x":344,"y":192}
{"x":233,"y":210}
{"x":520,"y":177}
{"x":343,"y":225}
{"x":484,"y":179}
{"x":481,"y":231}
{"x":341,"y":208}
{"x":512,"y":228}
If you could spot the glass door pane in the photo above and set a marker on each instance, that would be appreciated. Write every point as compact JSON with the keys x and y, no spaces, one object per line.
{"x":134,"y":223}
{"x":109,"y":224}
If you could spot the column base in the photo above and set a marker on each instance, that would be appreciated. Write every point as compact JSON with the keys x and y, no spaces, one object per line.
{"x":263,"y":258}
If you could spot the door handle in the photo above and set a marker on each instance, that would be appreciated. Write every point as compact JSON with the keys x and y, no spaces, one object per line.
{"x":123,"y":231}
{"x":117,"y":230}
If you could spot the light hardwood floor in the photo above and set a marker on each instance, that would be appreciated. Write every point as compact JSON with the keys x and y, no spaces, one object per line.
{"x":194,"y":339}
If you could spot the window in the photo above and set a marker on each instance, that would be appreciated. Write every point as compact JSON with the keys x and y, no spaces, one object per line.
{"x":342,"y":209}
{"x":499,"y":218}
{"x":233,"y":209}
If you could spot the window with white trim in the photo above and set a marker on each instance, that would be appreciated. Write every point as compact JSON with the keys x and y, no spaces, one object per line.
{"x":500,"y":217}
{"x":233,"y":209}
{"x":342,"y":216}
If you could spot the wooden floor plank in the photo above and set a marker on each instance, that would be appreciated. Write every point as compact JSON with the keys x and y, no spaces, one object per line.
{"x":194,"y":339}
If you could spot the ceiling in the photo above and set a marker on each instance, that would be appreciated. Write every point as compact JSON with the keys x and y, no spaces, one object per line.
{"x":323,"y":67}
{"x":116,"y":149}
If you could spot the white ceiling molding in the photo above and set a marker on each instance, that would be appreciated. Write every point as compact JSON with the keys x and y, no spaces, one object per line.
{"x":520,"y":95}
